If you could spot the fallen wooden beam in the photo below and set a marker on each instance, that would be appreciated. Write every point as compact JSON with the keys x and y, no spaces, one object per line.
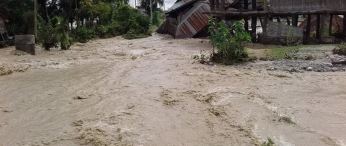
{"x":230,"y":13}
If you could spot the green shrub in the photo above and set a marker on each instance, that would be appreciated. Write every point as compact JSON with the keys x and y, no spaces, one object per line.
{"x":102,"y":31}
{"x":138,"y":24}
{"x":47,"y":35}
{"x":54,"y":32}
{"x":65,"y":41}
{"x":269,"y":142}
{"x":229,"y":42}
{"x":158,"y":17}
{"x":341,"y":49}
{"x":283,"y":53}
{"x":114,"y":29}
{"x":83,"y":34}
{"x":131,"y":21}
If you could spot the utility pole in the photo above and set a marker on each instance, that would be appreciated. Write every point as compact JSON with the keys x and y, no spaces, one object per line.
{"x":151,"y":12}
{"x":35,"y":18}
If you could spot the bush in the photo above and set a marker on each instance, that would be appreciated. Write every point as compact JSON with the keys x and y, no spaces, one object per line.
{"x":229,"y":42}
{"x":46,"y":35}
{"x":114,"y":29}
{"x":138,"y":24}
{"x":269,"y":142}
{"x":102,"y":31}
{"x":341,"y":49}
{"x":131,"y":21}
{"x":83,"y":34}
{"x":289,"y":53}
{"x":158,"y":17}
{"x":65,"y":41}
{"x":54,"y":32}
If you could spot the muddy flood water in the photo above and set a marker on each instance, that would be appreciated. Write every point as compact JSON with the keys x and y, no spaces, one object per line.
{"x":151,"y":92}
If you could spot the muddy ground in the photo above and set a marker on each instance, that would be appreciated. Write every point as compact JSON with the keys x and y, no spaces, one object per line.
{"x":151,"y":92}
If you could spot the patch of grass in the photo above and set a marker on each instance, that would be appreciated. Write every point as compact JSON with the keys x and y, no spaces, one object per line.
{"x":282,"y":53}
{"x":269,"y":142}
{"x":340,"y":50}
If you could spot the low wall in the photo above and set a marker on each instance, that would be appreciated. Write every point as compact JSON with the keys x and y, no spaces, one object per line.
{"x":25,"y":43}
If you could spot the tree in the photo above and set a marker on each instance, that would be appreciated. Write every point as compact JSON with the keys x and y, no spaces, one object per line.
{"x":151,"y":5}
{"x":20,"y":12}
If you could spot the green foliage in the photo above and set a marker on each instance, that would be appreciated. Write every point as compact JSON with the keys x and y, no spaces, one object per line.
{"x":229,"y":42}
{"x":158,"y":17}
{"x":102,"y":31}
{"x":145,"y":4}
{"x":65,"y":41}
{"x":46,"y":34}
{"x":64,"y":21}
{"x":282,"y":53}
{"x":83,"y":34}
{"x":114,"y":29}
{"x":341,"y":49}
{"x":54,"y":32}
{"x":132,"y":21}
{"x":20,"y":16}
{"x":269,"y":142}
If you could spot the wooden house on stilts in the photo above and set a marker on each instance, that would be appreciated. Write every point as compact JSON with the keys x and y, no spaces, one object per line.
{"x":279,"y":19}
{"x":268,"y":21}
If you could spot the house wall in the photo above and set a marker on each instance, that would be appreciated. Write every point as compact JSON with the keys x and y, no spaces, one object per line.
{"x":193,"y":21}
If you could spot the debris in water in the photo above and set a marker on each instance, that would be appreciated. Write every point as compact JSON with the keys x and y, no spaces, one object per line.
{"x":80,"y":97}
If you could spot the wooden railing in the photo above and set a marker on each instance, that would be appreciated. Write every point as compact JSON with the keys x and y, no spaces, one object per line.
{"x":217,"y":5}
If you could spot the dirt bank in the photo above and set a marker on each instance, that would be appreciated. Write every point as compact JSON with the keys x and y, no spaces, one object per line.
{"x":151,"y":92}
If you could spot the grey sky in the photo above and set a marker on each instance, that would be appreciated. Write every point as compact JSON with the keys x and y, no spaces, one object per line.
{"x":168,"y":3}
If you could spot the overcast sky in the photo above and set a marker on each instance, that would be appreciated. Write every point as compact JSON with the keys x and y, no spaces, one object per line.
{"x":168,"y":3}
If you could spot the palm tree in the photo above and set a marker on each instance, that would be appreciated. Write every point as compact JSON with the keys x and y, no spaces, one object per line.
{"x":149,"y":5}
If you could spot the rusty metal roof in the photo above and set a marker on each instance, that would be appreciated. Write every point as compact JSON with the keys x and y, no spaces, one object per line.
{"x":179,"y":5}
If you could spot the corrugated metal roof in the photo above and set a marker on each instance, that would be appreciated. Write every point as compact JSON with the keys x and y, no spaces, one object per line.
{"x":179,"y":5}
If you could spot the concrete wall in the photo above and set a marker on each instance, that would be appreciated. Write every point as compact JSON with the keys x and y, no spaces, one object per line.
{"x":282,"y":34}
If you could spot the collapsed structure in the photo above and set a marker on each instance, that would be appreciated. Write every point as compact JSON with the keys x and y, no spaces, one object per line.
{"x":268,"y":21}
{"x":186,"y":18}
